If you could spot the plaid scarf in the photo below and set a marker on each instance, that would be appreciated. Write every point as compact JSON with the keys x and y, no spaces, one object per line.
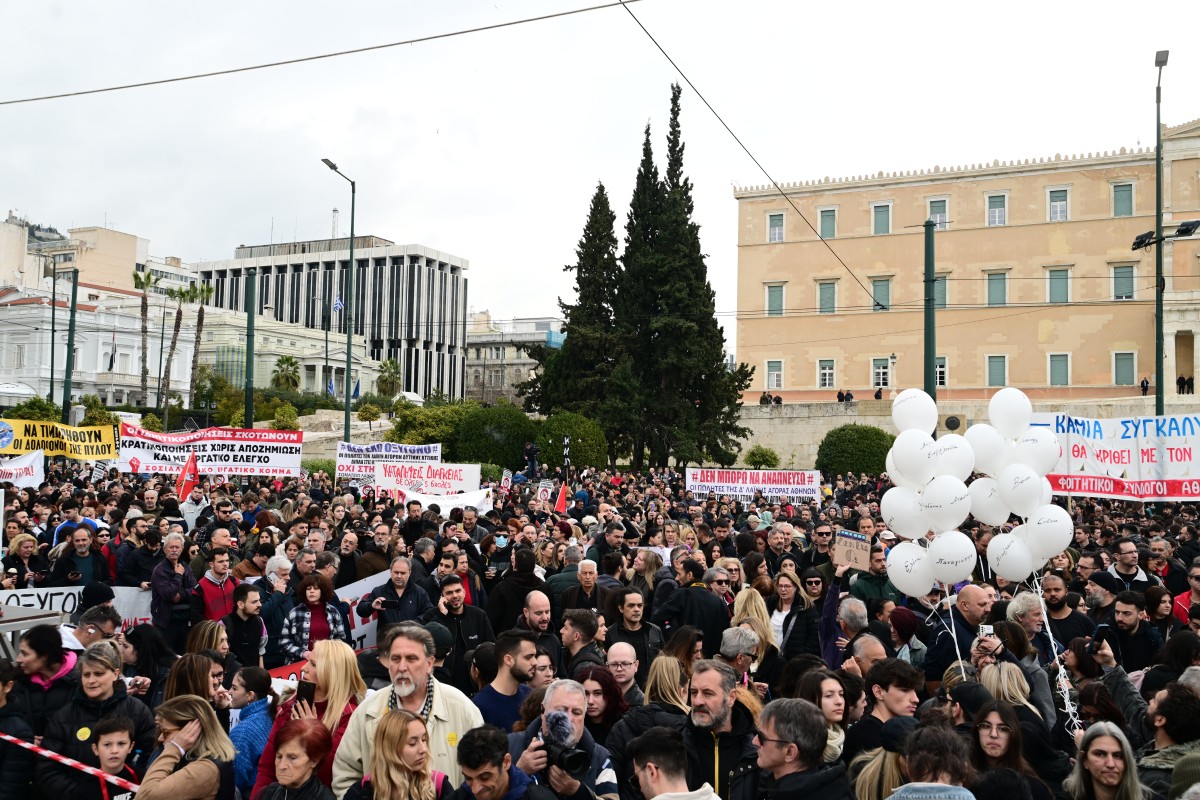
{"x":426,"y":707}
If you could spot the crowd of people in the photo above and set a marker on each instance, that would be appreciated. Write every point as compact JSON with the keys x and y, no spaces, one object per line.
{"x":644,"y":643}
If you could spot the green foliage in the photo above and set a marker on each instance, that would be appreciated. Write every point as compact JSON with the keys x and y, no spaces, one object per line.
{"x":286,"y":418}
{"x":95,"y":413}
{"x":369,"y":413}
{"x":760,"y":457}
{"x":854,"y":448}
{"x":237,"y":418}
{"x":491,"y":472}
{"x":494,"y":435}
{"x":388,"y":383}
{"x":35,"y":408}
{"x":151,"y":422}
{"x":412,"y":424}
{"x":314,"y":465}
{"x":286,"y":374}
{"x":588,"y":445}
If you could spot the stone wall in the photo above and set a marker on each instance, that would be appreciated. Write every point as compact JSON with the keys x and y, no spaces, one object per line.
{"x":795,"y":430}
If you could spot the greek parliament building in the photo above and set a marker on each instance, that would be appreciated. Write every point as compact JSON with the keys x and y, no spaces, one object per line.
{"x":410,"y":304}
{"x":1036,"y":283}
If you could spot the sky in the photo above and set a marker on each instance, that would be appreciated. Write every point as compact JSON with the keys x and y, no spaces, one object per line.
{"x":490,"y":145}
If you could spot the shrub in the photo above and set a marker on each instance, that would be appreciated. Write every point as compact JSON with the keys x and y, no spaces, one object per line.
{"x":589,"y":447}
{"x":286,"y":418}
{"x":412,"y":424}
{"x":492,"y":435}
{"x":35,"y":408}
{"x":237,"y":417}
{"x":490,"y":472}
{"x":759,"y":457}
{"x":369,"y":413}
{"x":151,"y":422}
{"x":854,"y":448}
{"x":95,"y":413}
{"x":315,"y":465}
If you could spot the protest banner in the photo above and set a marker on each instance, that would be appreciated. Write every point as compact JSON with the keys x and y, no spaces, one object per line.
{"x":131,"y":603}
{"x":358,"y":460}
{"x":480,"y":500}
{"x":853,"y":548}
{"x":430,"y":478}
{"x":1126,"y":458}
{"x":27,"y":471}
{"x":227,"y":451}
{"x":20,"y":436}
{"x":741,"y":484}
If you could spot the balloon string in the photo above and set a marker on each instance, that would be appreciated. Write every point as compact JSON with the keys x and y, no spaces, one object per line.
{"x":1064,"y":685}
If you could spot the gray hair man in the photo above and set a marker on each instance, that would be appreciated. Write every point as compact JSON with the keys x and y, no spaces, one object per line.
{"x":739,"y":649}
{"x":718,"y":731}
{"x":791,"y":739}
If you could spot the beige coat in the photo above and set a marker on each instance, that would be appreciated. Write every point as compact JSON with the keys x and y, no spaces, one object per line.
{"x":452,"y":715}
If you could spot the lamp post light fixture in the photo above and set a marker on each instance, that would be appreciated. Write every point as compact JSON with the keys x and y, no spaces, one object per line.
{"x":892,"y":378}
{"x":348,"y":303}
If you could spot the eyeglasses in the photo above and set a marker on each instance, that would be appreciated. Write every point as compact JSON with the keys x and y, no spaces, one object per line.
{"x":619,"y":664}
{"x":758,"y":732}
{"x":987,"y":727}
{"x":813,"y":582}
{"x":822,"y":533}
{"x":217,"y":676}
{"x":721,"y":582}
{"x":1194,"y":577}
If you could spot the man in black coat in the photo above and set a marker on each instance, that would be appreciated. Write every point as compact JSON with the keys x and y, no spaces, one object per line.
{"x":508,"y":598}
{"x":467,"y":624}
{"x":694,"y":604}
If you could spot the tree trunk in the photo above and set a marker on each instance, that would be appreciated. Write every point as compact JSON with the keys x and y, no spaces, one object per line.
{"x":196,"y":354}
{"x":166,"y":378}
{"x":145,"y":346}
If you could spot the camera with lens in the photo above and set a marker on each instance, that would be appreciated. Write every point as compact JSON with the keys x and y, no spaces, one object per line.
{"x":556,"y":732}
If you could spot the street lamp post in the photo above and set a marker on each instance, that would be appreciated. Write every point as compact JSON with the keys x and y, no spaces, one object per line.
{"x":348,"y":303}
{"x":1160,"y":61}
{"x":66,"y":402}
{"x":248,"y":413}
{"x":892,"y":378}
{"x":325,"y":376}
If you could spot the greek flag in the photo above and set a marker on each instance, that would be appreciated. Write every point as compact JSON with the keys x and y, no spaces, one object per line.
{"x":338,"y":305}
{"x":329,"y":389}
{"x":355,"y":395}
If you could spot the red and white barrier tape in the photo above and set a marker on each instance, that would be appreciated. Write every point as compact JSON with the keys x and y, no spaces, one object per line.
{"x":70,"y":762}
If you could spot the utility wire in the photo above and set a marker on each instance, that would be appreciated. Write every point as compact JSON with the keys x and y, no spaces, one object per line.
{"x":746,"y":150}
{"x":304,"y":59}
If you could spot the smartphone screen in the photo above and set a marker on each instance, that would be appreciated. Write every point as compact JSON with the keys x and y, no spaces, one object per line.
{"x":306,"y":691}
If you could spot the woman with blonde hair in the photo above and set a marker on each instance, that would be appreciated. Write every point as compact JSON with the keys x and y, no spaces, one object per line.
{"x":333,"y":667}
{"x":400,"y":763}
{"x":792,"y":617}
{"x":196,"y":757}
{"x":666,"y":690}
{"x":210,"y":635}
{"x":737,"y":581}
{"x":641,"y":576}
{"x":1007,"y":682}
{"x":749,"y":603}
{"x":287,"y":511}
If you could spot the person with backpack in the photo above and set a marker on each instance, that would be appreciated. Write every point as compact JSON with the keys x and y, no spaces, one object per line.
{"x":400,"y":763}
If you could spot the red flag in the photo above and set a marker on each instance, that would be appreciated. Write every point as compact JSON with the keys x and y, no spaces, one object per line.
{"x":188,"y":479}
{"x":560,"y":505}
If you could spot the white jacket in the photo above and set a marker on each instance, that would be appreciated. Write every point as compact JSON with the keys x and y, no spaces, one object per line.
{"x":705,"y":792}
{"x":452,"y":715}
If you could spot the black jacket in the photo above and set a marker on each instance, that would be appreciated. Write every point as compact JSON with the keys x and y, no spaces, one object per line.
{"x":66,"y":565}
{"x":828,"y":782}
{"x":726,"y":761}
{"x":590,"y":656}
{"x":799,"y":629}
{"x":634,"y":724}
{"x":139,"y":567}
{"x":647,"y":642}
{"x":65,"y":734}
{"x":312,"y":790}
{"x":695,"y":605}
{"x":506,"y":601}
{"x":413,"y":603}
{"x":274,"y":611}
{"x":16,"y":763}
{"x":38,"y":704}
{"x":469,"y":629}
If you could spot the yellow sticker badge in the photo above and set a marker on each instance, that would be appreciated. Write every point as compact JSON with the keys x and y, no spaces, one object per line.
{"x":83,"y":734}
{"x":452,"y":739}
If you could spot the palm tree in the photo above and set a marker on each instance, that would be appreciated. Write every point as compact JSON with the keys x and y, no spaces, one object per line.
{"x":286,"y":374}
{"x":388,"y":382}
{"x":201,"y":293}
{"x":144,"y":282}
{"x":180,"y":296}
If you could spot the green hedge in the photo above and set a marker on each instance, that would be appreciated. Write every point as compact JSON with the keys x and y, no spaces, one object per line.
{"x":854,"y":448}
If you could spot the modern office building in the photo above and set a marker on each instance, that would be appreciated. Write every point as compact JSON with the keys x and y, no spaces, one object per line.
{"x":1036,"y":283}
{"x":496,"y":362}
{"x":410,"y":301}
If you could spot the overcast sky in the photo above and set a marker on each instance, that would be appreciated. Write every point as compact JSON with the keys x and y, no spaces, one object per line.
{"x":489,"y":145}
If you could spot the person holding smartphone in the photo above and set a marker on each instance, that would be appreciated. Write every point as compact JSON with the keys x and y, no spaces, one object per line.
{"x":82,"y":564}
{"x":24,"y":565}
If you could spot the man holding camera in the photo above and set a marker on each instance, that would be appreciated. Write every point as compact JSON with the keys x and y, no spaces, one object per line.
{"x":558,"y":752}
{"x":396,"y":600}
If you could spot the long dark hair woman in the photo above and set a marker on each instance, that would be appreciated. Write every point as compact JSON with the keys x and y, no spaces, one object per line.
{"x":686,"y":644}
{"x":1180,"y":652}
{"x":101,"y":695}
{"x":1160,"y":610}
{"x":48,"y":678}
{"x":792,"y":617}
{"x":605,"y":701}
{"x":147,"y":661}
{"x":996,"y":743}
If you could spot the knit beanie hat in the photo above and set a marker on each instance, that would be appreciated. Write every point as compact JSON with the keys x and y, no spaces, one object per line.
{"x":905,"y":622}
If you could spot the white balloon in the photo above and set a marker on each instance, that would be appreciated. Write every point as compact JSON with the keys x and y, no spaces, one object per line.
{"x":1050,"y":530}
{"x":1038,"y":449}
{"x":1009,"y":411}
{"x":911,"y":457}
{"x":986,"y":505}
{"x":901,"y":512}
{"x":909,"y":569}
{"x":952,"y":455}
{"x":1047,"y":492}
{"x":945,"y":502}
{"x":1020,"y":489}
{"x":896,"y":476}
{"x":953,"y":556}
{"x":991,"y":452}
{"x":1009,"y":558}
{"x":913,"y":409}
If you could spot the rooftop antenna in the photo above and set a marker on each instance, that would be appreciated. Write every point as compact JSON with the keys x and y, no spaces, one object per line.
{"x":335,"y":223}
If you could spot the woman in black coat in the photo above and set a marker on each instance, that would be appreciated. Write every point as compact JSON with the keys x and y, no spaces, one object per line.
{"x":794,"y":620}
{"x":47,"y":679}
{"x":101,"y":694}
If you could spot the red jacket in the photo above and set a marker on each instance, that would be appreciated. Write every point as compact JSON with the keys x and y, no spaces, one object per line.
{"x":1183,"y":604}
{"x":212,"y":601}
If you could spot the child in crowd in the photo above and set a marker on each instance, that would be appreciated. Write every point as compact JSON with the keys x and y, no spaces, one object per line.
{"x":112,"y":742}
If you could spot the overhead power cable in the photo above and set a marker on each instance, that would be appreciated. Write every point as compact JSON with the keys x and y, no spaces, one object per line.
{"x":305,"y":59}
